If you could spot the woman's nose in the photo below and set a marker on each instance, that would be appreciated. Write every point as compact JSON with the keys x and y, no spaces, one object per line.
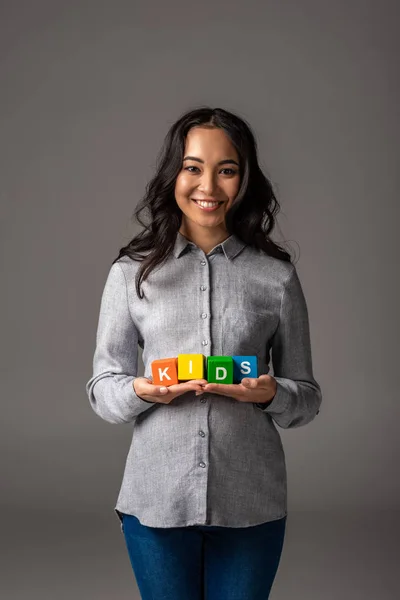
{"x":207,"y":184}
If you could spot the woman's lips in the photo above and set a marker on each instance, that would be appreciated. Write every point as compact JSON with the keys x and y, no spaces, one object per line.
{"x":207,"y":208}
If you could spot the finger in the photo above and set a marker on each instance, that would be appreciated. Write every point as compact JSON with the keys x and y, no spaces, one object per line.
{"x":265,"y":378}
{"x":149,"y":389}
{"x":179,"y":388}
{"x":187,"y":386}
{"x":226,"y":389}
{"x":263,"y":381}
{"x":250,"y":382}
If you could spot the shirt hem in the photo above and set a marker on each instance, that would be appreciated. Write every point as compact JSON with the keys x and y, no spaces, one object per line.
{"x":196,"y":522}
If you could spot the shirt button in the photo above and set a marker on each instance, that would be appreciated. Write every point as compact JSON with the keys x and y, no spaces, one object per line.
{"x":202,"y":400}
{"x":201,"y":464}
{"x":204,"y":315}
{"x":204,"y":343}
{"x":203,"y":288}
{"x":202,"y":433}
{"x":203,"y":262}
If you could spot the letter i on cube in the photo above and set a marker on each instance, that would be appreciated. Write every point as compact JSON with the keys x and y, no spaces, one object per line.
{"x":220,"y":369}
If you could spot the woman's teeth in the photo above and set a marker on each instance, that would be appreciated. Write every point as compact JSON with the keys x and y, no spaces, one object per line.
{"x":207,"y":204}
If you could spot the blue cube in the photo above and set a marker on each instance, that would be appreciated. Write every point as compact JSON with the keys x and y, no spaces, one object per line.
{"x":244,"y":366}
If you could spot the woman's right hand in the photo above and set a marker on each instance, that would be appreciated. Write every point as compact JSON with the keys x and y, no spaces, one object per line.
{"x":146,"y":390}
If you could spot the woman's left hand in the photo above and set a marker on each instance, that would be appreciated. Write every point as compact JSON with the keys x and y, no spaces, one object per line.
{"x":251,"y":389}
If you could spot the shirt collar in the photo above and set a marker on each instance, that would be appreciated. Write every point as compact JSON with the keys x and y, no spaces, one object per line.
{"x":231,"y":246}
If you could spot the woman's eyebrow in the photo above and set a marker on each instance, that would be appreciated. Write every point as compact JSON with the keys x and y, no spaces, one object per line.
{"x":221,"y":162}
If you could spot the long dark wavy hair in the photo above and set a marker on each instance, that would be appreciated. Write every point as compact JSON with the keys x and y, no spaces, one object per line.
{"x":251,"y":216}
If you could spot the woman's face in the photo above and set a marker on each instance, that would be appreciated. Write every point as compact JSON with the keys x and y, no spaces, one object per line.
{"x":210,"y":171}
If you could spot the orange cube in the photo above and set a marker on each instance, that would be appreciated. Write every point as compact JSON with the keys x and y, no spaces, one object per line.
{"x":165,"y":371}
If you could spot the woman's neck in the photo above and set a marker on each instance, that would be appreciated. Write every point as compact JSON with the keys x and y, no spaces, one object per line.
{"x":205,"y":238}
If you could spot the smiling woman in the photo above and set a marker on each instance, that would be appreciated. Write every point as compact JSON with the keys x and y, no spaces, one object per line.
{"x":204,"y":279}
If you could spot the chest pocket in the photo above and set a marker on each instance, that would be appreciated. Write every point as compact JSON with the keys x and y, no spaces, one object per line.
{"x":244,"y":332}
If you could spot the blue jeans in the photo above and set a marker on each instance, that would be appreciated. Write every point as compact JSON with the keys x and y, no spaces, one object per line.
{"x":204,"y":561}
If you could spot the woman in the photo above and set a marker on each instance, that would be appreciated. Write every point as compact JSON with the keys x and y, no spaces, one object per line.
{"x":203,"y":501}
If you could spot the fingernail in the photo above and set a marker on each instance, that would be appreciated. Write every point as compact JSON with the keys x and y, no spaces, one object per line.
{"x":163,"y":390}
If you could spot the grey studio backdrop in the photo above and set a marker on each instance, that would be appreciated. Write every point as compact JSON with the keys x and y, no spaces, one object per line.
{"x":88,"y":91}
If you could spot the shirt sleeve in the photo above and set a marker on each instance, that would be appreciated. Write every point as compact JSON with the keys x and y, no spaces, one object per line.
{"x":298,"y":396}
{"x":115,"y":362}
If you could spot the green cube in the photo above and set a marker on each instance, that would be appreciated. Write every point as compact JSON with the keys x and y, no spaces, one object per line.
{"x":220,"y":369}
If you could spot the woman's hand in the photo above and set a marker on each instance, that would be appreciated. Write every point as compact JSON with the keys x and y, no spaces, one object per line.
{"x":250,"y":389}
{"x":146,"y":390}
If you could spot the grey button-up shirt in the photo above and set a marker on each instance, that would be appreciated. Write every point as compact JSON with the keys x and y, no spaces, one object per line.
{"x":208,"y":459}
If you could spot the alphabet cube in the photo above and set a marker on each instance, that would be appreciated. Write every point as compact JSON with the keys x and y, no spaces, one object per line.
{"x":191,"y":366}
{"x":244,"y":366}
{"x":220,"y":369}
{"x":165,"y":371}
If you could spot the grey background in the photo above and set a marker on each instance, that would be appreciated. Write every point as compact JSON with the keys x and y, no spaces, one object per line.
{"x":88,"y":91}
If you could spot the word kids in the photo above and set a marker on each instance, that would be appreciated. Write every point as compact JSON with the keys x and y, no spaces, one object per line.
{"x":220,"y":369}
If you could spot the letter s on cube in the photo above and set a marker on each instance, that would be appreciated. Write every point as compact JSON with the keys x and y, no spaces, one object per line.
{"x":244,"y":366}
{"x":165,"y":371}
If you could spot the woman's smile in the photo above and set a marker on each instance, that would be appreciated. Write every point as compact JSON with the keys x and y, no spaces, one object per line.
{"x":207,"y":206}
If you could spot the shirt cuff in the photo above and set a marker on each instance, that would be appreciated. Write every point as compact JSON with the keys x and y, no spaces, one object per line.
{"x":278,"y":403}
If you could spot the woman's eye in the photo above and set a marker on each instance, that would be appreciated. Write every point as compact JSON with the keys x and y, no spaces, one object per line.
{"x":232,"y":171}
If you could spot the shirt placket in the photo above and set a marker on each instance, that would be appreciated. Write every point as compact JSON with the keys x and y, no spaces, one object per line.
{"x":205,"y":345}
